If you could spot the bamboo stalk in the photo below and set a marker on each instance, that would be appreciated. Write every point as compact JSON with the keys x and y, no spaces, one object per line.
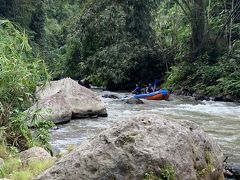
{"x":230,"y":30}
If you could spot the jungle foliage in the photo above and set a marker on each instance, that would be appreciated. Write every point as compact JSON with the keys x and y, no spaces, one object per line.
{"x":114,"y":42}
{"x":212,"y":68}
{"x":120,"y":42}
{"x":20,"y":74}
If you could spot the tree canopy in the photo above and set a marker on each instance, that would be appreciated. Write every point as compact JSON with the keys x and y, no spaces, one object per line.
{"x":119,"y":43}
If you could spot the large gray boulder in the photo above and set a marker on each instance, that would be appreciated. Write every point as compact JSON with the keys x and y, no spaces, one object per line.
{"x":34,"y":154}
{"x":146,"y":146}
{"x":63,"y":100}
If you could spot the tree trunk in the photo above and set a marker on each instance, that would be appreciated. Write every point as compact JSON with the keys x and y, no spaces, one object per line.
{"x":230,"y":30}
{"x":198,"y":28}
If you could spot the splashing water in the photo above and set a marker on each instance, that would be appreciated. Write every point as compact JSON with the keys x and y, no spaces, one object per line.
{"x":221,"y":120}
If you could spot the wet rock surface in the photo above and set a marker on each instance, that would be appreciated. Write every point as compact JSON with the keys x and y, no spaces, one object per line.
{"x":144,"y":144}
{"x":200,"y":96}
{"x":232,"y":172}
{"x":134,"y":101}
{"x":63,"y":100}
{"x":108,"y":94}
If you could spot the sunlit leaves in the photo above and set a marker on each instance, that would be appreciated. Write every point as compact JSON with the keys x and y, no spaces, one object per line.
{"x":20,"y":71}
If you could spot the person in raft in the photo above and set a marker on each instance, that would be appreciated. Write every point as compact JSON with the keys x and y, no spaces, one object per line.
{"x":149,"y":89}
{"x":137,"y":90}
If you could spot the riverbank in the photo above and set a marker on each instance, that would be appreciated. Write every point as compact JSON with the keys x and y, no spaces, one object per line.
{"x":23,"y":165}
{"x":202,"y":96}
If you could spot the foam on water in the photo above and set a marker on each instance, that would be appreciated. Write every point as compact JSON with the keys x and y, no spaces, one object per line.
{"x":213,"y":108}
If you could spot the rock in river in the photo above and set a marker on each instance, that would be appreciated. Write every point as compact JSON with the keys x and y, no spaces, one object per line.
{"x":111,"y":95}
{"x":63,"y":100}
{"x":143,"y":146}
{"x":134,"y":101}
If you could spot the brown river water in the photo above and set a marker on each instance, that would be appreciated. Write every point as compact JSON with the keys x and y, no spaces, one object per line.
{"x":221,"y":120}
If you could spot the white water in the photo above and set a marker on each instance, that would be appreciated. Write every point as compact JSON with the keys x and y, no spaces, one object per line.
{"x":220,"y":120}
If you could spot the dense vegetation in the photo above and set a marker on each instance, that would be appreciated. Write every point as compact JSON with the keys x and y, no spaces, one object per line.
{"x":112,"y":41}
{"x":118,"y":43}
{"x":210,"y":65}
{"x":21,"y":72}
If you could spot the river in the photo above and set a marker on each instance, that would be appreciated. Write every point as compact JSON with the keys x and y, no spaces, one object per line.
{"x":221,"y":120}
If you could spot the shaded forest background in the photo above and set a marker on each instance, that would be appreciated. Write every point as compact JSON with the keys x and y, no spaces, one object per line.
{"x":192,"y":44}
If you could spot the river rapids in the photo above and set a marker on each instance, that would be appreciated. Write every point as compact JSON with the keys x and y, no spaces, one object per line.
{"x":221,"y":120}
